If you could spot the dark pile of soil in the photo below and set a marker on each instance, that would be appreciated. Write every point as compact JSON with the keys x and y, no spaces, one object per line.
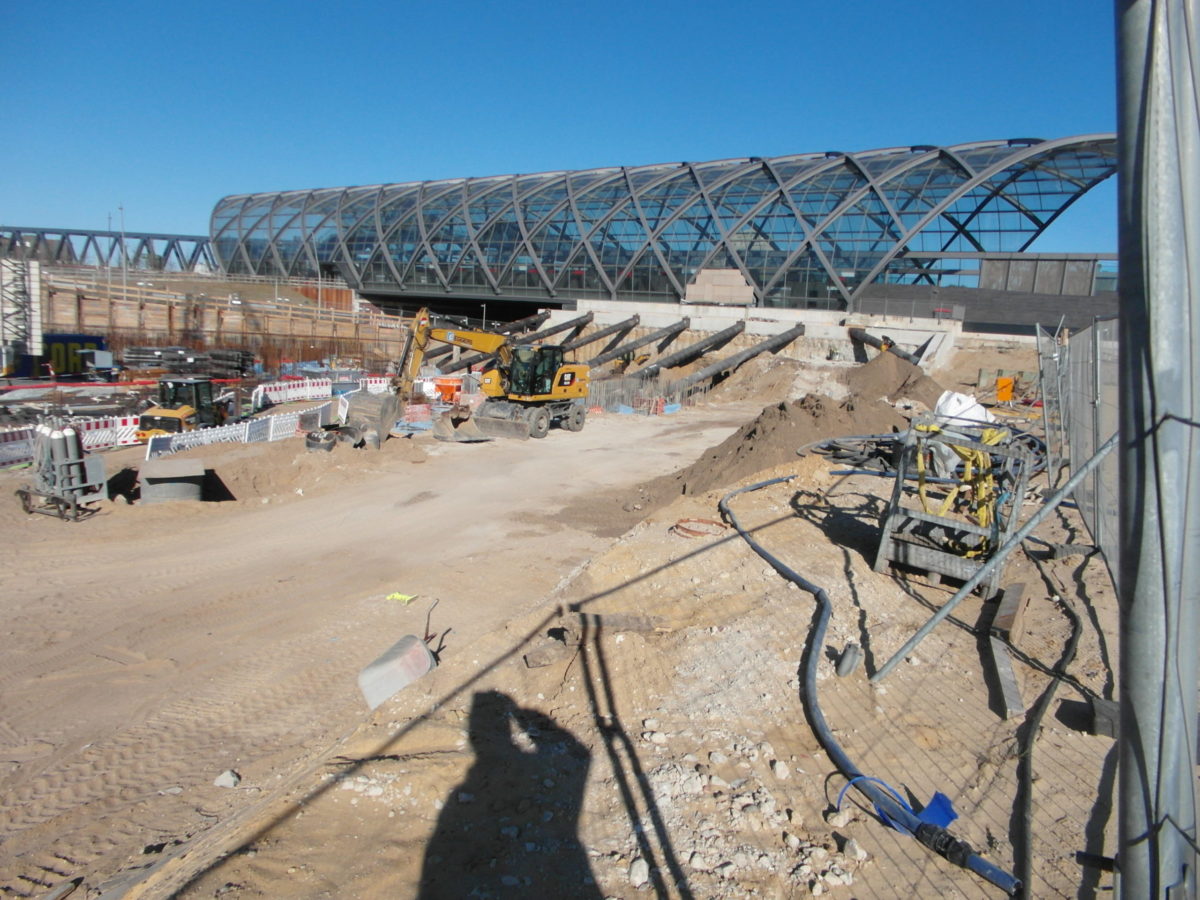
{"x":887,"y":375}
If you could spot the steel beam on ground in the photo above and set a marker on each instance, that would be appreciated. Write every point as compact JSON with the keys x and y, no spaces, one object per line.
{"x":690,"y":352}
{"x":730,"y":363}
{"x":663,"y":334}
{"x":619,"y":328}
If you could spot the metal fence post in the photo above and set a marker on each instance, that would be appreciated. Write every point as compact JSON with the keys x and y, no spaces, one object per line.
{"x":1158,"y":105}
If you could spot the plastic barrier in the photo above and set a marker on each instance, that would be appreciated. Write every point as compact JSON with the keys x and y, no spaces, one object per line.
{"x":16,"y":446}
{"x":264,"y":428}
{"x":100,"y":434}
{"x":375,"y":384}
{"x":284,"y":391}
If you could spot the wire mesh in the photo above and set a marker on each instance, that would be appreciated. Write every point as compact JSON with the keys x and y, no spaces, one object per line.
{"x":1091,"y":397}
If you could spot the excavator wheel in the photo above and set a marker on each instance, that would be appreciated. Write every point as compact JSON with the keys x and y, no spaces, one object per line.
{"x":538,"y":418}
{"x":574,"y":420}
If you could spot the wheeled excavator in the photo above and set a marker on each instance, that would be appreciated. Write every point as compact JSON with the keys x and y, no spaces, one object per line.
{"x":528,"y":389}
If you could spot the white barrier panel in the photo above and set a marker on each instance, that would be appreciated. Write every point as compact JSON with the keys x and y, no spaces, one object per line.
{"x":226,"y":434}
{"x":375,"y":385}
{"x":258,"y":430}
{"x":16,"y":446}
{"x":283,"y":426}
{"x":284,"y":391}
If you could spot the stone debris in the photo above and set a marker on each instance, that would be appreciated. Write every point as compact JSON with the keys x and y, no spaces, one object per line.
{"x":228,"y":779}
{"x":639,"y":872}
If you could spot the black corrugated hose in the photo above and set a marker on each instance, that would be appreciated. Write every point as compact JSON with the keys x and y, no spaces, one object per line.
{"x":934,"y":837}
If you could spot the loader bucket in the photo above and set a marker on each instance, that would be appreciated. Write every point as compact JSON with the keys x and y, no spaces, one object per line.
{"x":452,"y":426}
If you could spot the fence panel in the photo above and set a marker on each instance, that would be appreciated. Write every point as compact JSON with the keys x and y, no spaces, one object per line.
{"x":1092,"y":400}
{"x":1053,"y":354}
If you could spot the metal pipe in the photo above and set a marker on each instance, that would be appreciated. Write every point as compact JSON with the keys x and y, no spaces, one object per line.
{"x":1158,"y":104}
{"x":860,"y":335}
{"x":730,"y":363}
{"x":661,"y":334}
{"x":986,"y":569}
{"x":691,"y":351}
{"x":585,"y":339}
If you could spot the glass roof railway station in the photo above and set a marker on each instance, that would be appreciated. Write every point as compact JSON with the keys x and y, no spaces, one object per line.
{"x":810,"y":231}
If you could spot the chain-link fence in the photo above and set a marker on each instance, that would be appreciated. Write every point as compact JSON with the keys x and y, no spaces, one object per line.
{"x":1080,"y":406}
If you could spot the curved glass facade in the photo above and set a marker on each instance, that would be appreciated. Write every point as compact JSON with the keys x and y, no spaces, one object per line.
{"x":808,"y":230}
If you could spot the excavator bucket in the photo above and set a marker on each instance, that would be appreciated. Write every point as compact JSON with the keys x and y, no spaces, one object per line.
{"x":459,"y":424}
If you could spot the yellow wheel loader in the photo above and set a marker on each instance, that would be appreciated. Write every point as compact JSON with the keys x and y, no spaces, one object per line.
{"x":529,"y":388}
{"x":184,"y":404}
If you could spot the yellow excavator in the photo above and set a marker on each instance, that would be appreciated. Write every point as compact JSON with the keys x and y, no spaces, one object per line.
{"x":529,"y":388}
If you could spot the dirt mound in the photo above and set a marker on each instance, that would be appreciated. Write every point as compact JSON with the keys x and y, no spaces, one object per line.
{"x":887,"y":375}
{"x":763,"y":378}
{"x":773,"y":438}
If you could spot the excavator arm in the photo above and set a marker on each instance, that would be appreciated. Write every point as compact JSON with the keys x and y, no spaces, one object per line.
{"x":421,"y":333}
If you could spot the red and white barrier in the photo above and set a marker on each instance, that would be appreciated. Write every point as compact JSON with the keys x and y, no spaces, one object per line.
{"x":16,"y":446}
{"x":284,"y":391}
{"x":374,"y":384}
{"x":100,"y":434}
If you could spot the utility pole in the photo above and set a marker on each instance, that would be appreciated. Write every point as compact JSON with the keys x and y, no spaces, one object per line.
{"x":1158,"y":115}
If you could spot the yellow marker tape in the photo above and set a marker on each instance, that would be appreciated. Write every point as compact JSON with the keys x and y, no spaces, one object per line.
{"x":403,"y":598}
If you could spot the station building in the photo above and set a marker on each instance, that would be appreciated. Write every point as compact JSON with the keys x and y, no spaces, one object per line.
{"x":825,"y":230}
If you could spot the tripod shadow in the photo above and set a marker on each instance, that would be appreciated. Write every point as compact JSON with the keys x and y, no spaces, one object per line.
{"x":510,"y":828}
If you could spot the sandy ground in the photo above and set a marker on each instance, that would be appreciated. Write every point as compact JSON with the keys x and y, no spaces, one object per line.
{"x":659,"y":748}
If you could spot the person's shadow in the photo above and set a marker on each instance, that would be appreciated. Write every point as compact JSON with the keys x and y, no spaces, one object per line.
{"x":510,"y":828}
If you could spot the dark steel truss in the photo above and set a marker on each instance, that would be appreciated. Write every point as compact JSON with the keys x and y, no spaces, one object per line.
{"x":807,"y":230}
{"x":79,"y":247}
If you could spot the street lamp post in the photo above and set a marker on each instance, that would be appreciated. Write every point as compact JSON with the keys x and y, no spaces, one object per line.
{"x":124,"y":257}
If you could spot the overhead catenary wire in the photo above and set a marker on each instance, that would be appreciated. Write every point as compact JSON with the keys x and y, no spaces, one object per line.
{"x":935,"y":837}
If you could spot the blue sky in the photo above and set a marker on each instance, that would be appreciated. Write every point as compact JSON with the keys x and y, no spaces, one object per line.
{"x":165,"y":107}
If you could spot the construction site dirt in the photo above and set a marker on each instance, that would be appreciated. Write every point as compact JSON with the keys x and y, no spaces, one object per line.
{"x":616,"y":708}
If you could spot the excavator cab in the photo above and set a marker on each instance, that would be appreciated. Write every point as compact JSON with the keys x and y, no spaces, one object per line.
{"x":532,"y":369}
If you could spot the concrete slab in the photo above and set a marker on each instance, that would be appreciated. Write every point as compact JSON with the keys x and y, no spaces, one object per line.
{"x":169,"y":478}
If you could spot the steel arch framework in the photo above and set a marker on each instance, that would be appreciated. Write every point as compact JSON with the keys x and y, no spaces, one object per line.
{"x":805,"y":230}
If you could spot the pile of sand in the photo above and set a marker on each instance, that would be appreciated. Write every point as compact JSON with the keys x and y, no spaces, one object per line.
{"x":773,"y":438}
{"x":888,"y":376}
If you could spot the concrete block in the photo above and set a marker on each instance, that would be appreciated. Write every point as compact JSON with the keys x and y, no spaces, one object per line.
{"x":1106,"y":717}
{"x":1010,"y":691}
{"x":168,"y":478}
